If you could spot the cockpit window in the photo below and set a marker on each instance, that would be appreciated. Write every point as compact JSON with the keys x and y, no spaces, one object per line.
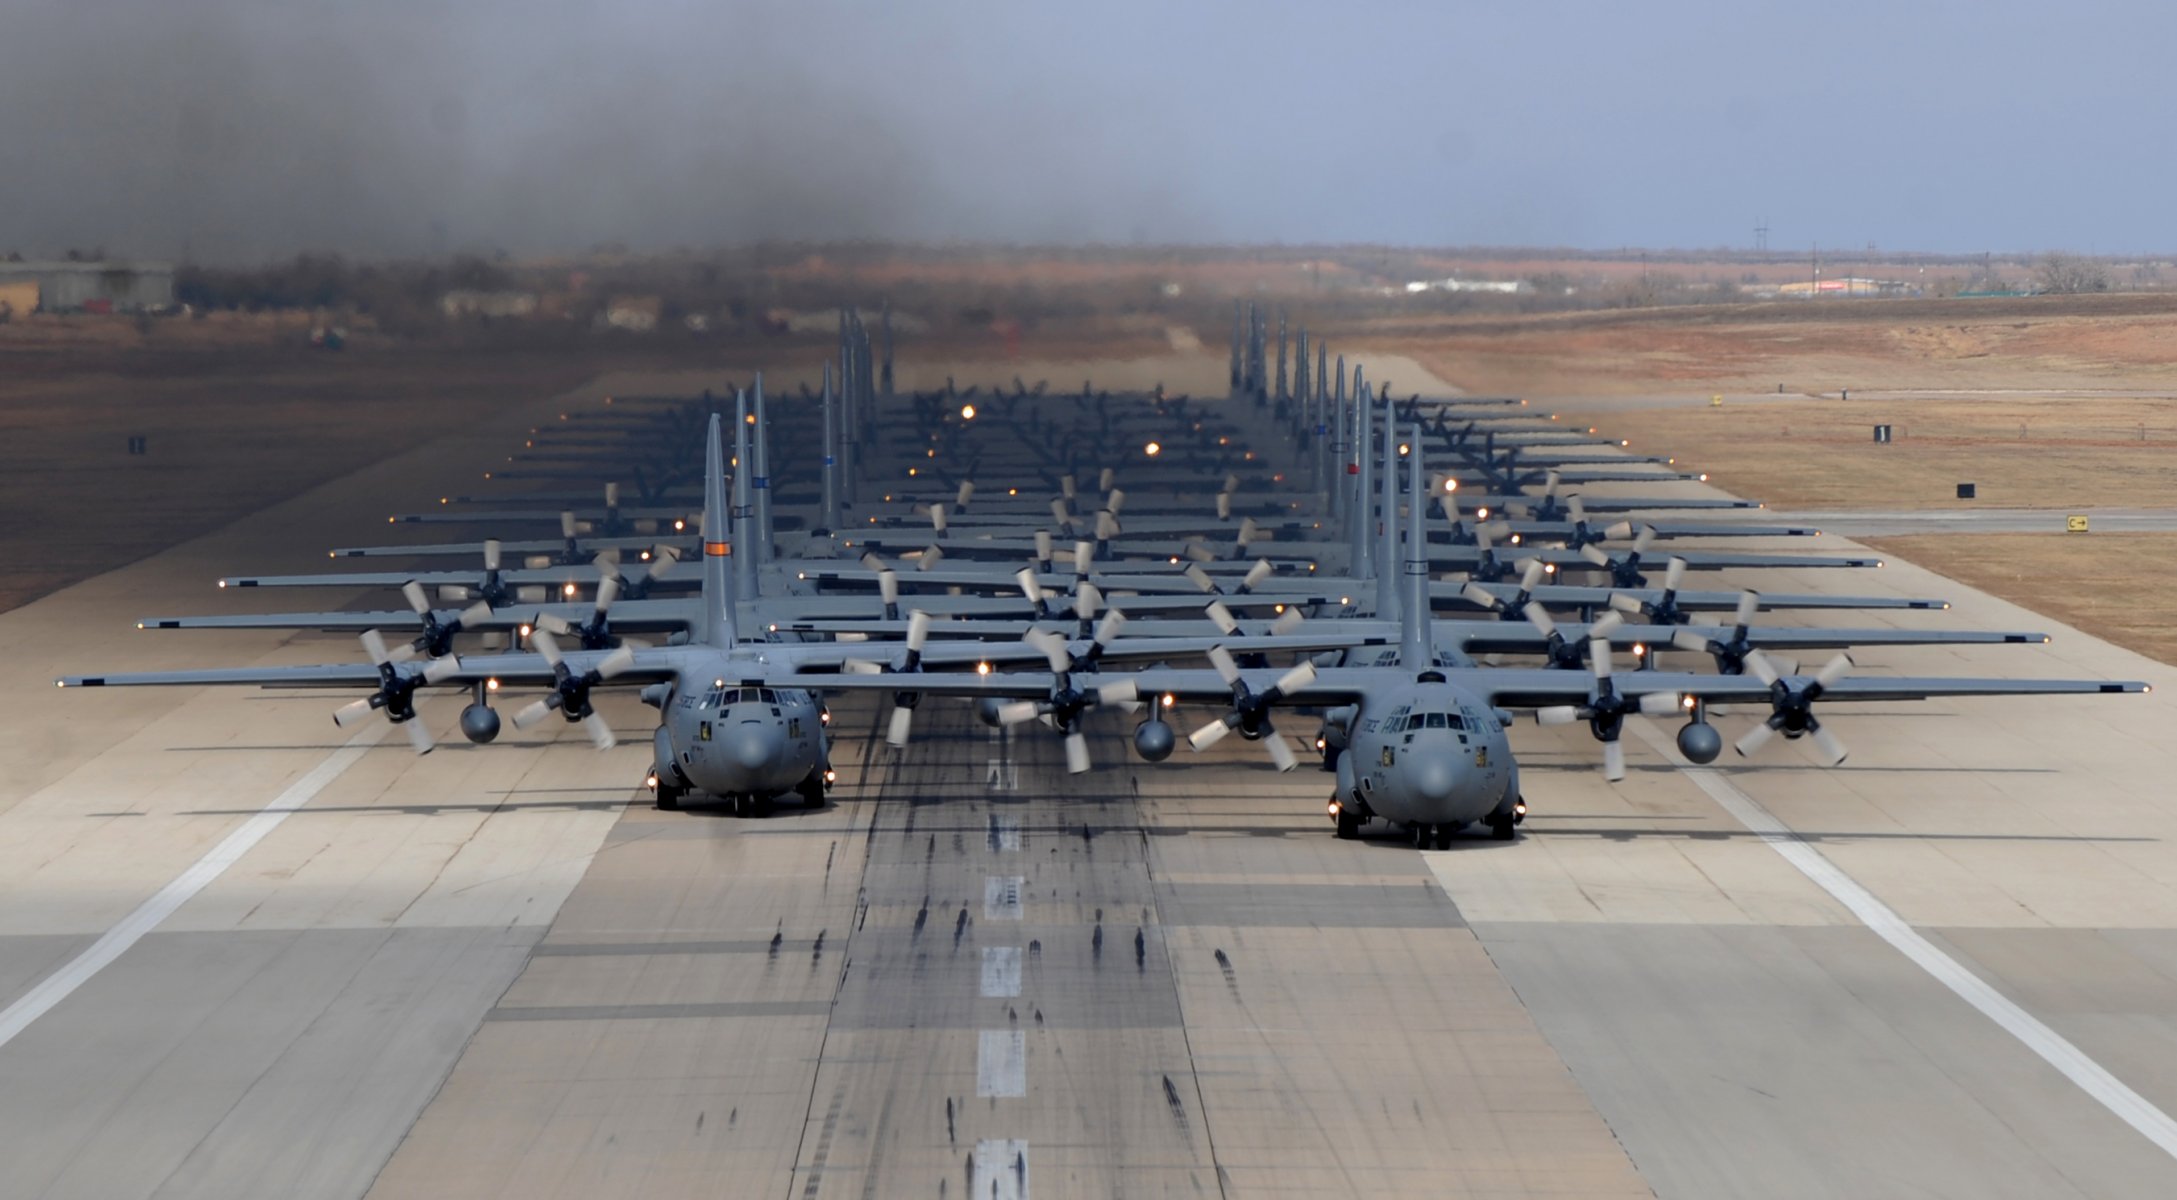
{"x":1436,"y":721}
{"x":770,"y":697}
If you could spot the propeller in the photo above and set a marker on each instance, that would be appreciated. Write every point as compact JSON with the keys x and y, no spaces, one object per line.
{"x":1663,"y":610}
{"x":1043,"y":547}
{"x":571,"y":692}
{"x":1625,"y":571}
{"x":1038,"y":599}
{"x":1582,"y":535}
{"x":1606,"y":710}
{"x":1255,"y":574}
{"x":662,"y":561}
{"x":1731,"y":651}
{"x":437,"y":638}
{"x":1250,"y":711}
{"x":490,"y":588}
{"x":1066,"y":703}
{"x":1567,"y":653}
{"x":396,"y":692}
{"x":1531,"y":572}
{"x":903,"y":703}
{"x":1791,"y":707}
{"x":595,"y":633}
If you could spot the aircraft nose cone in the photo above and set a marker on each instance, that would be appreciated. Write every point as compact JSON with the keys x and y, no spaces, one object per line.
{"x":1433,"y":774}
{"x":753,"y":745}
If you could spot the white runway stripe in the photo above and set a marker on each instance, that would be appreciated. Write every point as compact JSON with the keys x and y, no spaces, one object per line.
{"x":115,"y":941}
{"x":1001,"y":1063}
{"x":1001,"y":971}
{"x":1001,"y":897}
{"x":2110,"y":1092}
{"x":1001,"y":1170}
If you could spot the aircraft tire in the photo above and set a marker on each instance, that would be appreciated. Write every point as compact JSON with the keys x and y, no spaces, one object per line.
{"x":1503,"y":828}
{"x":666,"y":798}
{"x":1443,"y":837}
{"x":811,"y":791}
{"x":1349,"y":824}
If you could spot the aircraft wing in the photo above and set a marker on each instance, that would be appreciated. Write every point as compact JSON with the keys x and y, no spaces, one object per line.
{"x":648,"y":666}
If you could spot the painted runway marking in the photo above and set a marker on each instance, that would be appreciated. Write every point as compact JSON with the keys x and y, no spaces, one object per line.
{"x":1001,"y":971}
{"x":1002,"y":776}
{"x":1004,"y":833}
{"x":1001,"y":1063}
{"x":1001,"y":1170}
{"x":130,"y":929}
{"x":2053,"y":1048}
{"x":1001,"y":897}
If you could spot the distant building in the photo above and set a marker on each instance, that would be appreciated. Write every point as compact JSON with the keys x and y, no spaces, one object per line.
{"x":1844,"y":286}
{"x":460,"y":304}
{"x":75,"y":286}
{"x":637,"y":314}
{"x":1507,"y":287}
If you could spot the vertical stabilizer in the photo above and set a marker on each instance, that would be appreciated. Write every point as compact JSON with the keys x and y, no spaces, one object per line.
{"x":717,"y":550}
{"x":1386,"y":530}
{"x":831,"y":456}
{"x":1360,"y":511}
{"x":763,"y":479}
{"x":744,"y":513}
{"x":1415,"y":647}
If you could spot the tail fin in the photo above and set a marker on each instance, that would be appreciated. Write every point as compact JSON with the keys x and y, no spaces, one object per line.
{"x":717,"y":548}
{"x":1416,"y":649}
{"x":1387,"y":584}
{"x":762,"y":472}
{"x":744,"y":511}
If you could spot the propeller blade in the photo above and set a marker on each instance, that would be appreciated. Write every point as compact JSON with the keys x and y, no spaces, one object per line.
{"x":600,"y":733}
{"x":1623,"y":603}
{"x":439,"y":670}
{"x":1104,"y":478}
{"x":1059,"y":513}
{"x":491,"y":554}
{"x":542,"y":641}
{"x":1659,"y":704}
{"x":1294,"y":680}
{"x":1622,"y":529}
{"x":860,"y":666}
{"x":1686,"y":639}
{"x":1280,"y":753}
{"x":1084,"y":557}
{"x":1019,"y":711}
{"x":888,"y":588}
{"x":1598,"y":654}
{"x":1674,"y":573}
{"x":1249,"y":531}
{"x":1288,"y":622}
{"x":1763,"y":669}
{"x":1087,"y":598}
{"x":1224,"y":506}
{"x":918,"y":631}
{"x":1043,"y":546}
{"x":1053,"y":647}
{"x":1115,"y":501}
{"x":404,"y":652}
{"x":1610,"y":623}
{"x":608,"y":590}
{"x":662,"y":561}
{"x":533,"y":594}
{"x":1197,"y":552}
{"x":931,"y":556}
{"x":1577,"y":507}
{"x":1749,"y":602}
{"x":374,"y":645}
{"x":454,"y":593}
{"x":1256,"y":574}
{"x":418,"y":736}
{"x":1107,"y":527}
{"x":1227,"y":670}
{"x":416,"y":599}
{"x":1595,"y":556}
{"x":348,"y":714}
{"x":531,"y":714}
{"x":1613,"y":761}
{"x":1539,"y":617}
{"x":566,"y":523}
{"x":1478,"y":595}
{"x":474,"y":615}
{"x":1208,"y":735}
{"x":1068,"y":485}
{"x":1200,"y":578}
{"x":1222,"y":617}
{"x":1109,"y":627}
{"x":1557,"y":714}
{"x":960,"y":498}
{"x":1833,"y":750}
{"x":1645,"y":540}
{"x":554,"y":623}
{"x":871,"y":562}
{"x":1232,"y":483}
{"x":1077,"y":754}
{"x":1122,"y":691}
{"x":1834,"y":670}
{"x":937,"y":519}
{"x":895,"y":734}
{"x":616,"y":662}
{"x":1754,"y":739}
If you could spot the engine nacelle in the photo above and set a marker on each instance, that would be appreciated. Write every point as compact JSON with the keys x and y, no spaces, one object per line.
{"x":1337,"y":722}
{"x":1699,"y":742}
{"x":1154,"y":741}
{"x":661,"y":752}
{"x":986,"y":710}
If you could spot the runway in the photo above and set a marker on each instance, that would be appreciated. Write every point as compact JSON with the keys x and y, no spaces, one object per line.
{"x":495,"y":971}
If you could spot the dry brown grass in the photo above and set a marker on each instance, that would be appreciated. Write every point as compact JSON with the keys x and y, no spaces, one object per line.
{"x":2020,"y":450}
{"x":2115,"y":586}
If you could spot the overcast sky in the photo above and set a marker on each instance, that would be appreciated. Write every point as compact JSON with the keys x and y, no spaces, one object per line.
{"x":239,"y":129}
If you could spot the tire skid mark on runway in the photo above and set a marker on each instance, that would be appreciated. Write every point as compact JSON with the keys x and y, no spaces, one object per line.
{"x":162,"y":904}
{"x":1884,"y":922}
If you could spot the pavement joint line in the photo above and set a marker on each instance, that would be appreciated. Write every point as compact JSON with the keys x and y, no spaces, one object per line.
{"x":2050,"y":1046}
{"x":162,"y":904}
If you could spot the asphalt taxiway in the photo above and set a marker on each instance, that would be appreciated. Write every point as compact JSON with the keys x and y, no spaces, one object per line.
{"x":242,"y":954}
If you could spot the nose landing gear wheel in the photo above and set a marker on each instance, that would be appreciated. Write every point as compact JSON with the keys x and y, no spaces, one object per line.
{"x":663,"y":795}
{"x":1443,"y":837}
{"x":1349,"y":824}
{"x":1421,"y":837}
{"x":1502,"y":827}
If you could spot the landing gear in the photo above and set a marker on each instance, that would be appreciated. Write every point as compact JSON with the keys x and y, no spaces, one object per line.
{"x":1349,"y":821}
{"x":751,"y":807}
{"x":1503,"y":826}
{"x":1421,"y":836}
{"x":663,"y":795}
{"x":1443,"y":837}
{"x":811,"y":790}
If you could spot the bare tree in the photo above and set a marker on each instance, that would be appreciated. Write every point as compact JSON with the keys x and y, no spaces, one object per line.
{"x":2067,"y":274}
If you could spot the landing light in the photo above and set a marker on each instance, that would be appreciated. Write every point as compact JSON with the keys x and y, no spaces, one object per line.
{"x":1404,"y":449}
{"x":1549,"y":568}
{"x":1169,"y":700}
{"x":567,"y":591}
{"x":1333,"y":809}
{"x":1482,"y":513}
{"x":491,"y":685}
{"x":679,"y":525}
{"x":1704,"y":479}
{"x":911,"y":471}
{"x":1322,"y":744}
{"x":1519,"y":808}
{"x":222,"y":583}
{"x":967,"y":412}
{"x":982,"y":668}
{"x":1639,"y":650}
{"x":1515,"y":539}
{"x":1153,"y":449}
{"x":1012,"y":491}
{"x":522,"y":630}
{"x":1451,"y":485}
{"x":1687,"y":703}
{"x":830,"y":776}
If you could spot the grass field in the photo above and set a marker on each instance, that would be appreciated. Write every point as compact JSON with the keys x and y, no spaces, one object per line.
{"x":2116,"y":586}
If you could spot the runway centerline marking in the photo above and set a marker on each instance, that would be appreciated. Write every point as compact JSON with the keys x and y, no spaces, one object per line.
{"x":1001,"y":897}
{"x":1001,"y":1170}
{"x":130,"y":929}
{"x":1001,"y":972}
{"x":1001,"y":1063}
{"x":2052,"y":1047}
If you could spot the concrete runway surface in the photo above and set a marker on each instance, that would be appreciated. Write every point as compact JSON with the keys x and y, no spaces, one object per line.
{"x":309,"y":963}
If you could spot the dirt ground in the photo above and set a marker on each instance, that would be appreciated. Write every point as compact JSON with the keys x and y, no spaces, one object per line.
{"x":2113,"y":585}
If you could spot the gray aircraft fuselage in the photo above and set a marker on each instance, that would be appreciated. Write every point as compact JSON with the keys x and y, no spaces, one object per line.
{"x":729,"y":740}
{"x":1427,"y":754}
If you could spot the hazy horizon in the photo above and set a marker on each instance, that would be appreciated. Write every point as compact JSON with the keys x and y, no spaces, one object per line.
{"x":231,"y":130}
